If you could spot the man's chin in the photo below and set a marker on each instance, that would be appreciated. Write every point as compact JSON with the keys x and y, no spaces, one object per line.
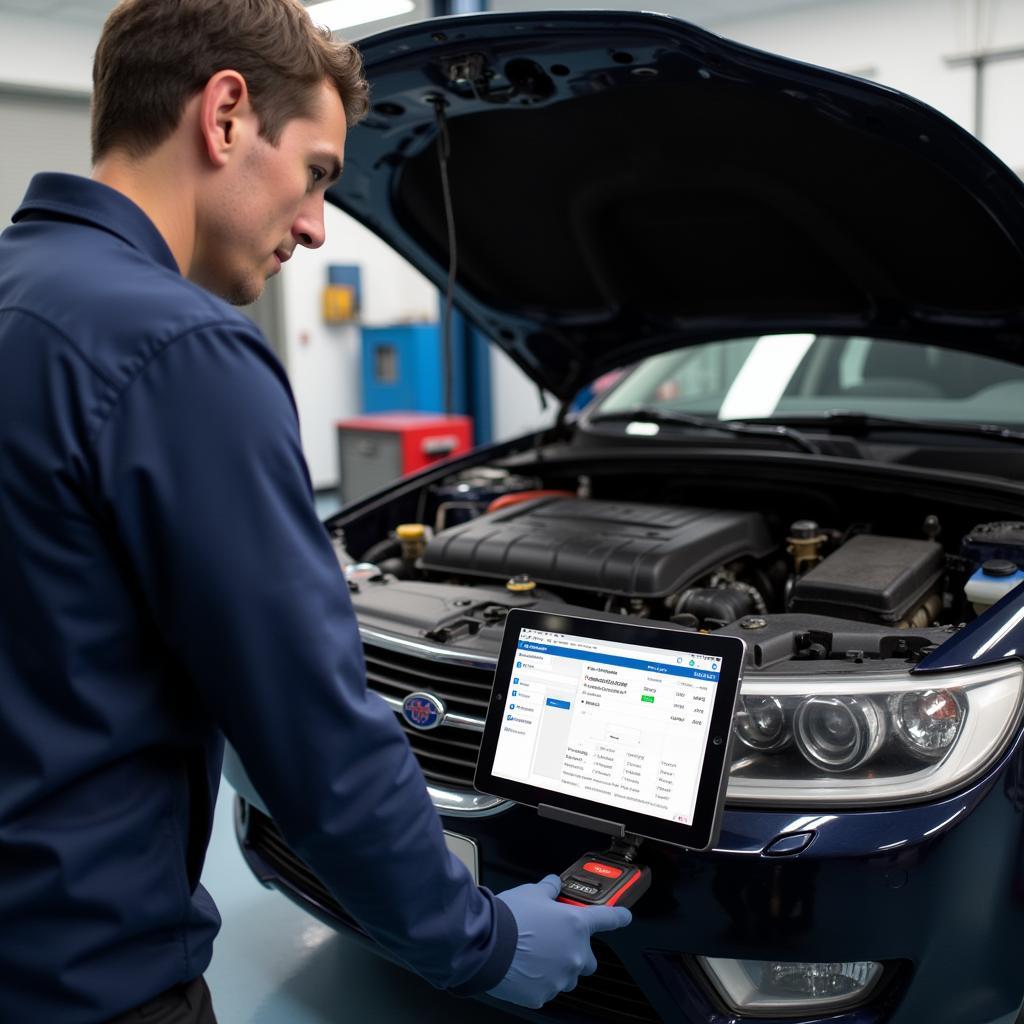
{"x":240,"y":292}
{"x":246,"y":297}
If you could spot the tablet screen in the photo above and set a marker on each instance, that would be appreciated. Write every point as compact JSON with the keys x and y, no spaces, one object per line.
{"x":623,"y":721}
{"x":619,"y":723}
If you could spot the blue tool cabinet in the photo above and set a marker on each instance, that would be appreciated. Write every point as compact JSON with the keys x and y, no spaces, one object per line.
{"x":403,"y":369}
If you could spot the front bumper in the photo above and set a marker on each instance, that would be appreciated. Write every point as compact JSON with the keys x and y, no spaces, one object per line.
{"x":936,"y":891}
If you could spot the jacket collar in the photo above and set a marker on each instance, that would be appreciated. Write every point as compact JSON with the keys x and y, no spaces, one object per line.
{"x":68,"y":196}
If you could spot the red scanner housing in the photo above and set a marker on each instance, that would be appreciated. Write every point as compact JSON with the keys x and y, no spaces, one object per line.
{"x":604,"y":880}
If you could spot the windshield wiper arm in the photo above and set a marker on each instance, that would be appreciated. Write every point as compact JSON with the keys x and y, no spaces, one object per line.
{"x":646,"y":414}
{"x":841,"y":421}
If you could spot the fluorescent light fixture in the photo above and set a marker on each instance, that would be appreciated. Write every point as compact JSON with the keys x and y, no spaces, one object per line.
{"x":335,"y":14}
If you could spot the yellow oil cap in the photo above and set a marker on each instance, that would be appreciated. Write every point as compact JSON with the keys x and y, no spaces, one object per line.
{"x":410,"y":531}
{"x":520,"y":584}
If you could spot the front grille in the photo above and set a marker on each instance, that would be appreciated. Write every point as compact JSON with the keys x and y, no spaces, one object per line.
{"x":611,"y":995}
{"x":446,"y":754}
{"x":463,"y":688}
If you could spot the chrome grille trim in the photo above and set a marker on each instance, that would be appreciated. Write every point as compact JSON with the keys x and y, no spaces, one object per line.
{"x":466,"y":803}
{"x":425,"y":649}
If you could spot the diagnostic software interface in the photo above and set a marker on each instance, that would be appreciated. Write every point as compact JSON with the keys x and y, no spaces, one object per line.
{"x":617,"y":723}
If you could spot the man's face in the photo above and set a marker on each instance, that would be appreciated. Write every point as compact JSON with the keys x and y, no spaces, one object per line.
{"x":270,"y":200}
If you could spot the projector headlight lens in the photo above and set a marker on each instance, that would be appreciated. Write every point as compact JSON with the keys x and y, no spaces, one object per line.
{"x":761,"y":723}
{"x":838,"y":734}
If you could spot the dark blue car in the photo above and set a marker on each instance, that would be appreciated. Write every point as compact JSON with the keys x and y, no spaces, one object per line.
{"x":813,"y":290}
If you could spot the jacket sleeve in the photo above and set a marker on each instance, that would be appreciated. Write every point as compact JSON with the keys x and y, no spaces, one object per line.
{"x":200,"y":470}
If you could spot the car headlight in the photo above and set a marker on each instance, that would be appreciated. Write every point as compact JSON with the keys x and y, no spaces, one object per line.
{"x":871,"y":738}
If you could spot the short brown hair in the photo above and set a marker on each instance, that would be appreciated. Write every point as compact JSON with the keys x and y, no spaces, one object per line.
{"x":154,"y":55}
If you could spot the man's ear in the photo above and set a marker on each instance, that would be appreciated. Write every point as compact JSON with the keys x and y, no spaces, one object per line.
{"x":223,"y":107}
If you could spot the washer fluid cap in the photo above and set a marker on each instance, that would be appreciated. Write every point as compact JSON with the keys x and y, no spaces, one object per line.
{"x":410,"y":531}
{"x":999,"y":567}
{"x":520,"y":584}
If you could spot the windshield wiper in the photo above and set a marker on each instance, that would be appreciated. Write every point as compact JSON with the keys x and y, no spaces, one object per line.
{"x":853,"y":423}
{"x":646,"y":414}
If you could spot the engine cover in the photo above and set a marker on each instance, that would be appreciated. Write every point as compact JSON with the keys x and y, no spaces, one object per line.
{"x":613,"y":547}
{"x":871,"y":578}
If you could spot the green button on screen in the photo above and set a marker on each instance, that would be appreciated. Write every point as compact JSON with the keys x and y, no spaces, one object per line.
{"x":649,"y":700}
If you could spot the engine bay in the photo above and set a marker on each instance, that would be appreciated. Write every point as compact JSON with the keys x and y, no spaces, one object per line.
{"x":827,"y":595}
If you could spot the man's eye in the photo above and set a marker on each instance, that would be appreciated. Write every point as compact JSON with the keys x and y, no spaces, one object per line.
{"x":318,"y":174}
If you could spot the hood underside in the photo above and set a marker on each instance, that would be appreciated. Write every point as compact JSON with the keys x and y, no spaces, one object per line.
{"x":625,"y":183}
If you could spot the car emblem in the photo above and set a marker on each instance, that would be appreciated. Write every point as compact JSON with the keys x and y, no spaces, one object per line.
{"x":423,"y":710}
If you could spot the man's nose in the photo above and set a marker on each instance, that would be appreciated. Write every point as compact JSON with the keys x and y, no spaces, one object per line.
{"x":308,"y":229}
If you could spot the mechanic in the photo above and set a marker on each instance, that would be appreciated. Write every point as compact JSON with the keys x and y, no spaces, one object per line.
{"x":165,"y":577}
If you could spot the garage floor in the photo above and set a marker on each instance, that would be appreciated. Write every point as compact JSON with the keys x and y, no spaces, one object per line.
{"x":273,"y":964}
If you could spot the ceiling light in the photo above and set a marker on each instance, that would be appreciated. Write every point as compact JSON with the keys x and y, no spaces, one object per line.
{"x":335,"y":14}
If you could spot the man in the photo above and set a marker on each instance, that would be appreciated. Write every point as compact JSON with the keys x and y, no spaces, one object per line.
{"x":165,"y":578}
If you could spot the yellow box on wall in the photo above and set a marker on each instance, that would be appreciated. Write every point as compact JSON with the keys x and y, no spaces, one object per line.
{"x":339,"y":303}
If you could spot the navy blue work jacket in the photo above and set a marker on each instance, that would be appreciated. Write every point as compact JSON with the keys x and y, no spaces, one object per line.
{"x":163,"y":580}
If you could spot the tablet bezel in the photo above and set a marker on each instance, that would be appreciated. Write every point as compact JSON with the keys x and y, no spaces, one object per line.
{"x":702,"y":833}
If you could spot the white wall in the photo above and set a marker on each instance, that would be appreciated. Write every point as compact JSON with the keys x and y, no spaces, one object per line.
{"x":323,"y":360}
{"x":34,"y":52}
{"x":515,"y":400}
{"x":40,"y":132}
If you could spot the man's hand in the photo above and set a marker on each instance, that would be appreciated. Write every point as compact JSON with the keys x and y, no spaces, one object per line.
{"x":553,"y":948}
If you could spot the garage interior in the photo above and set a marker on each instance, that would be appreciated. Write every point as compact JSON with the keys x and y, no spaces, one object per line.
{"x":273,"y":963}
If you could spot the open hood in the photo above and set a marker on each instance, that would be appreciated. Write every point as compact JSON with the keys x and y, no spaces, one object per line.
{"x":622,"y":183}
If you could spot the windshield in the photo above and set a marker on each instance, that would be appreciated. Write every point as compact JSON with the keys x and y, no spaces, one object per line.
{"x":813,"y":374}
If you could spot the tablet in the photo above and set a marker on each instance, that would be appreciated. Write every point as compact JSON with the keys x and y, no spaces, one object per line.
{"x":622,"y":727}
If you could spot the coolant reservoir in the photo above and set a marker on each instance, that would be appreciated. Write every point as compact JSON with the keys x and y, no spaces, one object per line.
{"x":994,"y":579}
{"x":413,"y":538}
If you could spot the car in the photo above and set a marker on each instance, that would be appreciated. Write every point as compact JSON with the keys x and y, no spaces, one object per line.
{"x":810,"y":291}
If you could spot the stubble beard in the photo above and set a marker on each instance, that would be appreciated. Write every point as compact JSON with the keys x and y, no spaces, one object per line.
{"x":238,"y":291}
{"x":244,"y":293}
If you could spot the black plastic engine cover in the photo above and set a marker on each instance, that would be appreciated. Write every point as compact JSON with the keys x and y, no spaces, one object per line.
{"x":620,"y":548}
{"x":871,"y":578}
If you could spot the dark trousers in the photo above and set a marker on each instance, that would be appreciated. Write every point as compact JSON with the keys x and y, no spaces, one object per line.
{"x":184,"y":1004}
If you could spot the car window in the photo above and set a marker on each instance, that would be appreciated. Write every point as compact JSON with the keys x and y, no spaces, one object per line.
{"x":742,"y":378}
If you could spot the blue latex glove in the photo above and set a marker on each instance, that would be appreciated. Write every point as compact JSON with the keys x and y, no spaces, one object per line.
{"x":553,"y":948}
